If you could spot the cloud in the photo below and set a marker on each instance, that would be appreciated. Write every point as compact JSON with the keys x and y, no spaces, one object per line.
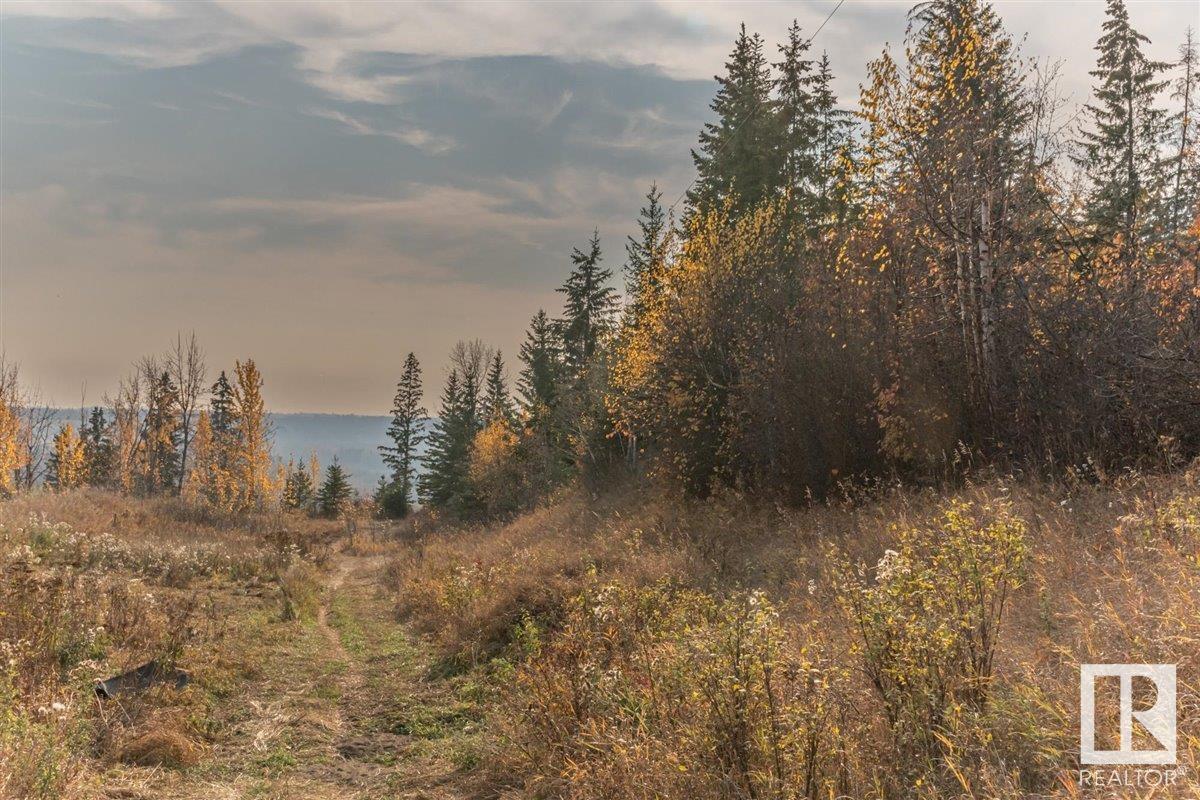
{"x":680,"y":38}
{"x":557,"y":109}
{"x":324,"y":325}
{"x":412,"y":136}
{"x":377,"y":175}
{"x":683,"y":40}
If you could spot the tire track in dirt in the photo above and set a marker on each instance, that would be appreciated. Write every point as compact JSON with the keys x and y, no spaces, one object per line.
{"x":351,"y":678}
{"x":347,"y":746}
{"x":317,"y":723}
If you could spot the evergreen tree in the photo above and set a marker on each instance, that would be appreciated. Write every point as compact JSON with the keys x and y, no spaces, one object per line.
{"x":497,"y":407}
{"x":384,"y":492}
{"x":831,"y":147}
{"x":161,"y":437}
{"x":796,"y":115}
{"x":1120,"y":147}
{"x":738,"y":153}
{"x":588,"y":311}
{"x":814,"y":135}
{"x":336,"y":492}
{"x":220,"y":407}
{"x":407,"y":432}
{"x":297,"y":488}
{"x":98,"y":450}
{"x":645,"y":256}
{"x":445,"y":482}
{"x":222,"y":416}
{"x":1184,"y":201}
{"x":541,"y":359}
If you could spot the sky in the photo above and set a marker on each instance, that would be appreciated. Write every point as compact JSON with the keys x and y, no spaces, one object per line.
{"x":323,"y":187}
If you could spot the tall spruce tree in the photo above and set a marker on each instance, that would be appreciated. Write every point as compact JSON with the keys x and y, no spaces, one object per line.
{"x":588,"y":311}
{"x":98,"y":451}
{"x":738,"y":154}
{"x":645,"y":256}
{"x":831,"y":148}
{"x":497,"y":407}
{"x":222,"y":416}
{"x":407,"y":432}
{"x":161,"y":437}
{"x":541,"y":359}
{"x":1184,"y":202}
{"x":796,"y":117}
{"x":1119,"y":148}
{"x":445,"y":484}
{"x":336,"y":493}
{"x":298,"y":492}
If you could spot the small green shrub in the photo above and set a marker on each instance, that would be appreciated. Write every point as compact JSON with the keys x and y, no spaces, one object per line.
{"x":928,"y":616}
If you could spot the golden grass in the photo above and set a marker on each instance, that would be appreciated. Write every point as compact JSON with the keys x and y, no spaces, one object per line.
{"x":160,"y":746}
{"x":625,"y":646}
{"x":1113,"y":575}
{"x":470,"y":587}
{"x":94,"y":584}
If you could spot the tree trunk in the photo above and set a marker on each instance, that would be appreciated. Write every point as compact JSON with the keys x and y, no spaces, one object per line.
{"x":987,"y":303}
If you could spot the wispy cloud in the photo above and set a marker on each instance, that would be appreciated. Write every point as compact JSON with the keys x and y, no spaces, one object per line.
{"x":410,"y":135}
{"x":554,"y":111}
{"x":377,"y":173}
{"x":236,"y":98}
{"x":682,"y":38}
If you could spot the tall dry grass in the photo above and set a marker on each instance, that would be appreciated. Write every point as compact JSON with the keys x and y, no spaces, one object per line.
{"x":93,"y":584}
{"x":654,"y":648}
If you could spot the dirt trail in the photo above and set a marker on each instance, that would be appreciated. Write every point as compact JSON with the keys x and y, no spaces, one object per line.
{"x":344,"y":706}
{"x":345,"y":565}
{"x":351,"y":680}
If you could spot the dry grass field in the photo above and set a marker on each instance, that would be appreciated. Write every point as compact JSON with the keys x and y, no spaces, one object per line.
{"x":892,"y":643}
{"x":272,"y":617}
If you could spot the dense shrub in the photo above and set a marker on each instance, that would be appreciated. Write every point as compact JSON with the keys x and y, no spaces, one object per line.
{"x":929,"y":617}
{"x":670,"y":693}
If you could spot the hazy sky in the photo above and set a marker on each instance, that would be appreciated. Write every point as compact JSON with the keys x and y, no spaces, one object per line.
{"x":326,"y":186}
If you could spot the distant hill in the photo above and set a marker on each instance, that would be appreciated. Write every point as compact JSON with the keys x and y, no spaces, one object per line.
{"x":352,"y":438}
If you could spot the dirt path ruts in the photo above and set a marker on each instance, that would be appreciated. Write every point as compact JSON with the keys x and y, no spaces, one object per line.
{"x":351,"y":679}
{"x":339,"y":707}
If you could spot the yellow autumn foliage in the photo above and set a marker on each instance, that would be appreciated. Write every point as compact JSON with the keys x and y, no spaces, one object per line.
{"x":68,"y":462}
{"x":234,"y":473}
{"x":495,"y":471}
{"x":252,"y":457}
{"x":12,"y":453}
{"x":208,"y":481}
